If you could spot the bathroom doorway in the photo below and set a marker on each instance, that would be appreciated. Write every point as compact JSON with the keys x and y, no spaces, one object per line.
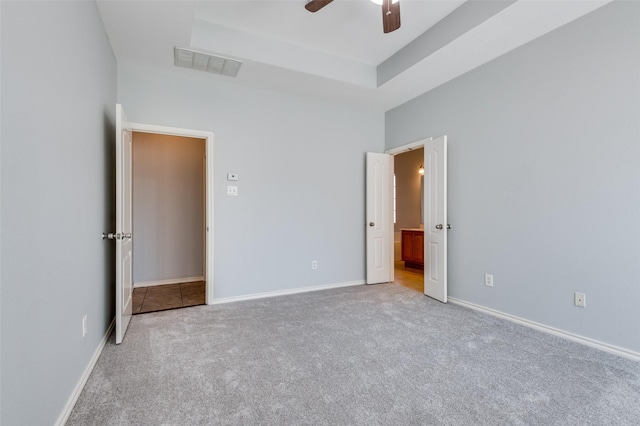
{"x":408,"y":196}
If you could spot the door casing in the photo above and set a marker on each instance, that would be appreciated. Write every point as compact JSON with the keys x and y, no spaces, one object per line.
{"x":400,"y":150}
{"x":209,"y":235}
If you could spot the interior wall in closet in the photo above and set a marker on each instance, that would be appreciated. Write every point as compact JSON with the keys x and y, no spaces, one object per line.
{"x":168,"y":208}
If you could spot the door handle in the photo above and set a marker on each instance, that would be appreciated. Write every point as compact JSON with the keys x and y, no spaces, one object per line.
{"x":439,"y":226}
{"x":448,"y":226}
{"x":371,"y":224}
{"x":115,"y":236}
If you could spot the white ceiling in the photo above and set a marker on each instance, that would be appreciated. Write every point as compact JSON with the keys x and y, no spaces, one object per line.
{"x":347,"y":28}
{"x":332,"y":54}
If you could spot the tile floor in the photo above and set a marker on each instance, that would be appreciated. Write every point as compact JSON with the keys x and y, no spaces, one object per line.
{"x":171,"y":296}
{"x":409,"y":277}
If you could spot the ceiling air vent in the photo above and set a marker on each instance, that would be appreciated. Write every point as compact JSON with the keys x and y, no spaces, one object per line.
{"x":205,"y":62}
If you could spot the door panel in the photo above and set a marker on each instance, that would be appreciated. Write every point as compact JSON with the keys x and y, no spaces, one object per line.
{"x":379,"y":218}
{"x":124,"y":240}
{"x":435,"y":231}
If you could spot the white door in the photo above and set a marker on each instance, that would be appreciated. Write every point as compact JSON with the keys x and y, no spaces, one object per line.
{"x":379,"y":218}
{"x":435,"y":220}
{"x":124,"y":282}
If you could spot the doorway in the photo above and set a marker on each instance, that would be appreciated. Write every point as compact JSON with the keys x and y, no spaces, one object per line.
{"x":182,"y":288}
{"x":380,"y":225}
{"x":123,"y":234}
{"x":408,"y":241}
{"x":168,"y":199}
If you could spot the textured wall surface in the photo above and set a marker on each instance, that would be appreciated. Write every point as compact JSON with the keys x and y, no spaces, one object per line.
{"x":301,"y":176}
{"x":58,"y":105}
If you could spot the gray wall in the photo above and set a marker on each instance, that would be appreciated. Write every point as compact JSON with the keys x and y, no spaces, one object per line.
{"x":168,"y":207}
{"x":58,"y":96}
{"x":544,"y":176}
{"x":301,"y":176}
{"x":467,"y":16}
{"x":408,"y":212}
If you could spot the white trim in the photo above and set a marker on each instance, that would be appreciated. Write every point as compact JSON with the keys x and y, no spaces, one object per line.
{"x":286,"y":292}
{"x":408,"y":147}
{"x":66,"y":412}
{"x":616,"y":350}
{"x":166,"y":282}
{"x":208,"y":136}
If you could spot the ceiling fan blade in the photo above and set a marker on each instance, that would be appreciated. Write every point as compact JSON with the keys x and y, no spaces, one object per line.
{"x":390,"y":15}
{"x":316,"y":5}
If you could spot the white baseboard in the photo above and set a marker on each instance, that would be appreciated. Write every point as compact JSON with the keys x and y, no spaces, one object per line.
{"x":286,"y":292}
{"x":616,"y":350}
{"x":165,"y":282}
{"x":66,"y":412}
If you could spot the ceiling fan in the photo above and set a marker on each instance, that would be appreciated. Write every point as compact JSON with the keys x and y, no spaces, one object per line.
{"x":390,"y":12}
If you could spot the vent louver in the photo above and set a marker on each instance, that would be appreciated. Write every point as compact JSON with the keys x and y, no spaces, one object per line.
{"x":205,"y":62}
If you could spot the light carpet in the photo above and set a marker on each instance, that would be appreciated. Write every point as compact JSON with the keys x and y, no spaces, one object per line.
{"x":366,"y":355}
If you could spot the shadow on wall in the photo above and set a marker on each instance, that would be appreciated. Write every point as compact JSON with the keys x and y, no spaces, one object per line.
{"x":109,"y":214}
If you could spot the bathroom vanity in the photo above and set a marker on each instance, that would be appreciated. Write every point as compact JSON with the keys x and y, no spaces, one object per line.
{"x":413,"y":248}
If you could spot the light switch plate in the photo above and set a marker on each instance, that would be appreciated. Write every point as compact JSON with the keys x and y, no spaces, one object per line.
{"x":232,"y":190}
{"x":232,"y":176}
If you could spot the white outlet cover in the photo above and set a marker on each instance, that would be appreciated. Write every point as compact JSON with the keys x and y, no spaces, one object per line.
{"x":488,"y":280}
{"x":232,"y":190}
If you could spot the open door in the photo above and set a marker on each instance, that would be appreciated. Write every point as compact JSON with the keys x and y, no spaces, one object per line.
{"x":122,"y":236}
{"x":379,"y":218}
{"x":435,"y":220}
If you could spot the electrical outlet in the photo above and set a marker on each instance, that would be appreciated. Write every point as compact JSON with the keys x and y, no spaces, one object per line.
{"x":488,"y":280}
{"x":232,"y":190}
{"x":314,"y":264}
{"x":84,"y":326}
{"x":580,"y":300}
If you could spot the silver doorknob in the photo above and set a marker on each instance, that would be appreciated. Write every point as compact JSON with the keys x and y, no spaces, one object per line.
{"x":372,"y":224}
{"x":448,"y":226}
{"x":439,"y":226}
{"x":115,"y":236}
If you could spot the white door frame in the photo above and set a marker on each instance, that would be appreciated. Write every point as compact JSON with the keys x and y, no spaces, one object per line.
{"x":401,"y":150}
{"x":208,"y":137}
